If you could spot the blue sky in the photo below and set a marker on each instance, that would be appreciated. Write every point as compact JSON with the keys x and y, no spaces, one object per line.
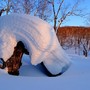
{"x":74,"y":20}
{"x":78,"y":21}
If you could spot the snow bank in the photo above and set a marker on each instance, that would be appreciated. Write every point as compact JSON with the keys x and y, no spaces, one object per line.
{"x":38,"y":37}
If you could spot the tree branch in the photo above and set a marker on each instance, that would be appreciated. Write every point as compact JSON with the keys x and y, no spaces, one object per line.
{"x":1,"y":11}
{"x":59,"y":7}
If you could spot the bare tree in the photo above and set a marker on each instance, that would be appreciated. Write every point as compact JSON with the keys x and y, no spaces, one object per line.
{"x":23,"y":6}
{"x":28,"y":6}
{"x":8,"y":5}
{"x":40,"y":8}
{"x":63,"y":11}
{"x":43,"y":9}
{"x":5,"y":6}
{"x":60,"y":9}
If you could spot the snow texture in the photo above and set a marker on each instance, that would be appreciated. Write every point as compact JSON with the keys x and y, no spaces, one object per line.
{"x":77,"y":77}
{"x":38,"y":37}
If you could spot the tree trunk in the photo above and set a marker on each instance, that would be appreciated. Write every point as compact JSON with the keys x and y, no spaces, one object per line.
{"x":85,"y":52}
{"x":14,"y":62}
{"x":1,"y":11}
{"x":55,"y":21}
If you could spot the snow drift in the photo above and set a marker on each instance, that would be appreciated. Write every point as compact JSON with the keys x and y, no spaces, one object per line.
{"x":39,"y":39}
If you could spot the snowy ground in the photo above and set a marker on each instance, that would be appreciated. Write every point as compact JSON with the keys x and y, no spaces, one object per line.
{"x":77,"y":77}
{"x":33,"y":31}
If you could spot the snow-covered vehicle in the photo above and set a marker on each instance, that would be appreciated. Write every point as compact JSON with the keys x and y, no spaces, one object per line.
{"x":39,"y":39}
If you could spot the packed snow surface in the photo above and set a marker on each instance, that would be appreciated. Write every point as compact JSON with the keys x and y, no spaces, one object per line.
{"x":77,"y":77}
{"x":38,"y":37}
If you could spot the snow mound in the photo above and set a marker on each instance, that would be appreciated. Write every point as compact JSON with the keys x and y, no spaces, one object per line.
{"x":38,"y":37}
{"x":7,"y":44}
